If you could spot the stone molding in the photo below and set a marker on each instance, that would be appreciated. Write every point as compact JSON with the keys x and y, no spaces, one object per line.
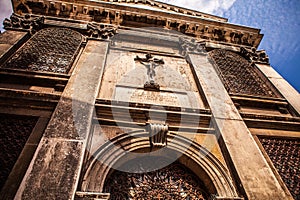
{"x":112,"y":153}
{"x":120,"y":14}
{"x":34,"y":23}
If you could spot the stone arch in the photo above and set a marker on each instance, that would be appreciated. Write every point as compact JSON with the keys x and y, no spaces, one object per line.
{"x":195,"y":157}
{"x":48,"y":50}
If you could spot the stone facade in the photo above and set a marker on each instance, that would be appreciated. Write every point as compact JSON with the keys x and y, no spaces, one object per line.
{"x":138,"y":99}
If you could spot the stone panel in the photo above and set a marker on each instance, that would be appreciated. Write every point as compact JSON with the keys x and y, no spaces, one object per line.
{"x":124,"y":79}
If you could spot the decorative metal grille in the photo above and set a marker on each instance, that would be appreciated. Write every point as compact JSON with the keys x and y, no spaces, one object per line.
{"x":14,"y":132}
{"x":238,"y":75}
{"x":285,"y":155}
{"x":173,"y":182}
{"x":49,"y":50}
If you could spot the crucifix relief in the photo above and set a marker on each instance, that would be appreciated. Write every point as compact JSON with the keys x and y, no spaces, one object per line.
{"x":150,"y":63}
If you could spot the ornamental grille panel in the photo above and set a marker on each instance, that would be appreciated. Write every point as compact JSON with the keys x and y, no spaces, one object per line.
{"x":285,"y":155}
{"x":49,"y":50}
{"x":14,"y":132}
{"x":239,"y":76}
{"x":174,"y":182}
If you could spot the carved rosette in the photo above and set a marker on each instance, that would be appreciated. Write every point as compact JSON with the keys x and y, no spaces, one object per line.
{"x":26,"y":22}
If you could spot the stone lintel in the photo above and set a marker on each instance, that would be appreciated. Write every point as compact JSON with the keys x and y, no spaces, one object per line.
{"x":256,"y":178}
{"x":54,"y":170}
{"x":286,"y":90}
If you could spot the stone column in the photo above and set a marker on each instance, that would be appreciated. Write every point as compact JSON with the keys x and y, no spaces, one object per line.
{"x":253,"y":175}
{"x":54,"y":170}
{"x":286,"y":90}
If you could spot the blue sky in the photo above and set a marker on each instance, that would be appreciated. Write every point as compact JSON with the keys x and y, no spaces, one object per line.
{"x":279,"y":21}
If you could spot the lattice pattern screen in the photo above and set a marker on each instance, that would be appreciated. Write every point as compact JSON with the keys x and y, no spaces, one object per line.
{"x":49,"y":50}
{"x":238,"y":75}
{"x":14,"y":132}
{"x":174,"y":182}
{"x":285,"y":155}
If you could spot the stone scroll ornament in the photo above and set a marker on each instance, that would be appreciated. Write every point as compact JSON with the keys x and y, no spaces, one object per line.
{"x":254,"y":56}
{"x":191,"y":46}
{"x":101,"y":31}
{"x":27,"y":22}
{"x":157,"y":134}
{"x":150,"y":63}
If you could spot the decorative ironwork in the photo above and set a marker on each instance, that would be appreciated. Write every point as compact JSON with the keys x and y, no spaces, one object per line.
{"x":49,"y":50}
{"x":285,"y":155}
{"x":173,"y":182}
{"x":239,"y":76}
{"x":26,"y":22}
{"x":255,"y":56}
{"x":14,"y":132}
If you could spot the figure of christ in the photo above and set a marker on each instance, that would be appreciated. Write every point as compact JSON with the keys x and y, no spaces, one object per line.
{"x":150,"y":63}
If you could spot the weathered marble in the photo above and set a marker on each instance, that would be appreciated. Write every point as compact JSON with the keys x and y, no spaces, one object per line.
{"x":54,"y":170}
{"x":289,"y":93}
{"x":238,"y":144}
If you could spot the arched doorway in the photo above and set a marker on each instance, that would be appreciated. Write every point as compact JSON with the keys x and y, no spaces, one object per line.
{"x":109,"y":163}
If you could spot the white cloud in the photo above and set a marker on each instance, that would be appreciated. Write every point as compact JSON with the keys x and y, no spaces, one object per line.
{"x":5,"y":10}
{"x":216,"y":7}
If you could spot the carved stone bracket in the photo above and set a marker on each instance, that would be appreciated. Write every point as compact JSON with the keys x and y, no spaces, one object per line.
{"x":26,"y":22}
{"x":191,"y":46}
{"x":101,"y":31}
{"x":255,"y":56}
{"x":157,"y":134}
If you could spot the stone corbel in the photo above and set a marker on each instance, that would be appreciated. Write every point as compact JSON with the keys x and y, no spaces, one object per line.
{"x":253,"y":56}
{"x":27,"y":22}
{"x":157,"y":134}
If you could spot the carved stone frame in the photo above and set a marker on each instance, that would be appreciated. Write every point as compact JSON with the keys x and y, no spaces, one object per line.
{"x":193,"y":156}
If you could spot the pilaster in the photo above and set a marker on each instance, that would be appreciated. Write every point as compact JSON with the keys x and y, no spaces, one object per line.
{"x":253,"y":174}
{"x":286,"y":90}
{"x":55,"y":167}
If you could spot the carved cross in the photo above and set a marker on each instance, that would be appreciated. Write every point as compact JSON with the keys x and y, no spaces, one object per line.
{"x":150,"y":63}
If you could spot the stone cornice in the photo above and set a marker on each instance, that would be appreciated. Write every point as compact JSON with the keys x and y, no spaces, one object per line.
{"x":120,"y":14}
